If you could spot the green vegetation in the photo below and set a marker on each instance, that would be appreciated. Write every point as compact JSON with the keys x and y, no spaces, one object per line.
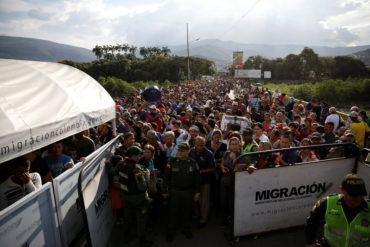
{"x":308,"y":66}
{"x":155,"y":63}
{"x":117,"y":87}
{"x":332,"y":91}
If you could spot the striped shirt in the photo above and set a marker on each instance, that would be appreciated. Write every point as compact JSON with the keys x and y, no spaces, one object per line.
{"x":11,"y":192}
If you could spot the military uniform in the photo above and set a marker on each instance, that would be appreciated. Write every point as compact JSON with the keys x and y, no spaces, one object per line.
{"x":133,"y":181}
{"x":181,"y":183}
{"x":344,"y":226}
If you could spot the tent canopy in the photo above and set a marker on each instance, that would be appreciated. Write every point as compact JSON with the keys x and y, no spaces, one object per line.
{"x":43,"y":102}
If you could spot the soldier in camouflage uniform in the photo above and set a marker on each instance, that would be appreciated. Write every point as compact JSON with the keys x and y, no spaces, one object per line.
{"x":181,"y":186}
{"x":133,"y":181}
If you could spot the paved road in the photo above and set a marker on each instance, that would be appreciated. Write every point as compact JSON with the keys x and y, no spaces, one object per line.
{"x":214,"y":235}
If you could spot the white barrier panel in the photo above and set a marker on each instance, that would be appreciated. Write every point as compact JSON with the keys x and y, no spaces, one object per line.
{"x":277,"y":198}
{"x":97,"y":203}
{"x":66,"y":195}
{"x":31,"y":221}
{"x":69,"y":209}
{"x":364,"y":172}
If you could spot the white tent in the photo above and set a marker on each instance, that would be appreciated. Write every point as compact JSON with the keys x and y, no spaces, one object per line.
{"x":42,"y":102}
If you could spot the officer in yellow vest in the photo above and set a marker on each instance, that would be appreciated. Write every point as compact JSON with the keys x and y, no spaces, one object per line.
{"x":345,"y":216}
{"x":249,"y":145}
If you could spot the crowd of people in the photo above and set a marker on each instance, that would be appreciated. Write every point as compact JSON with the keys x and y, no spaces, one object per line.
{"x":206,"y":125}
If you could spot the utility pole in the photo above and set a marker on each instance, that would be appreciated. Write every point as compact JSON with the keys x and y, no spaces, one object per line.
{"x":187,"y":42}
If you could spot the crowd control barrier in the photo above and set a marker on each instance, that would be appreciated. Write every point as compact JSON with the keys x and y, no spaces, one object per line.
{"x":282,"y":197}
{"x":93,"y":190}
{"x":31,"y":221}
{"x":54,"y":214}
{"x":68,"y":204}
{"x":363,"y":169}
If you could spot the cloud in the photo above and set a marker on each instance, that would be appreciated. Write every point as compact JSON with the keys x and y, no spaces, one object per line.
{"x":163,"y":22}
{"x":39,"y":14}
{"x":343,"y":34}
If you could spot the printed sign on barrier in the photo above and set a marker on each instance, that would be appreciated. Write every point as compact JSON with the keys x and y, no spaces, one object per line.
{"x":99,"y":213}
{"x":31,"y":221}
{"x":66,"y":194}
{"x":68,"y":206}
{"x":282,"y":197}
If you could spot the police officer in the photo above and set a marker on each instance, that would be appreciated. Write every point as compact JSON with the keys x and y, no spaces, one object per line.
{"x":346,"y":216}
{"x":133,"y":181}
{"x":181,"y":186}
{"x":249,"y":145}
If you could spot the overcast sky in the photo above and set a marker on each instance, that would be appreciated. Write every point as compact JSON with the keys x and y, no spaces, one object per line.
{"x":86,"y":23}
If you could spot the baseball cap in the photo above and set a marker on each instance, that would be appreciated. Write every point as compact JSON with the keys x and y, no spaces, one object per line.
{"x":308,"y":119}
{"x":354,"y":108}
{"x":174,"y":105}
{"x":353,"y":114}
{"x":235,"y":103}
{"x":134,"y":150}
{"x":247,"y":131}
{"x":183,"y":146}
{"x":152,"y":107}
{"x":229,"y":110}
{"x":349,"y":133}
{"x":316,"y":135}
{"x":354,"y":185}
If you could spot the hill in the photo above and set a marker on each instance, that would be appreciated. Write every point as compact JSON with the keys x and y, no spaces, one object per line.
{"x":215,"y":50}
{"x":221,"y":51}
{"x":41,"y":50}
{"x":364,"y":56}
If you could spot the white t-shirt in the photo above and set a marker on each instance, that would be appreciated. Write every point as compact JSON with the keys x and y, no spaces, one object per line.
{"x":335,"y":119}
{"x":11,"y":192}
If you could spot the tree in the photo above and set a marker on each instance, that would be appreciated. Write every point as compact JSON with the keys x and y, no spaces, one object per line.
{"x":349,"y":67}
{"x":98,"y":51}
{"x":309,"y":63}
{"x":254,"y":62}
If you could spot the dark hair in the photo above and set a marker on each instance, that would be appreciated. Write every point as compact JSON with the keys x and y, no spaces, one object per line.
{"x":330,"y":123}
{"x":20,"y":162}
{"x":211,"y":123}
{"x":260,"y":125}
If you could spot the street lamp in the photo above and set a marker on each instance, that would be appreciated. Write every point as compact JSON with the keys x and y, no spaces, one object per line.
{"x":187,"y":42}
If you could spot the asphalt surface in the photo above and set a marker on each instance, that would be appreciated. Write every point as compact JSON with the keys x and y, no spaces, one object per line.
{"x":213,"y":235}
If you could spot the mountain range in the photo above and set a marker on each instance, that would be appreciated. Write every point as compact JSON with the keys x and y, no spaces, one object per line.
{"x":215,"y":50}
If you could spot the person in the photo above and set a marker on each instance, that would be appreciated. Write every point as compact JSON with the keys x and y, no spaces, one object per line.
{"x":133,"y":181}
{"x":359,"y":127}
{"x":258,"y":133}
{"x":39,"y":165}
{"x":181,"y":185}
{"x":227,"y":167}
{"x":307,"y":155}
{"x":287,"y":157}
{"x":334,"y":118}
{"x":19,"y":184}
{"x":83,"y":144}
{"x":127,"y":140}
{"x":169,"y":144}
{"x":265,"y":160}
{"x":346,"y":216}
{"x":207,"y":167}
{"x":57,"y":161}
{"x":249,"y":145}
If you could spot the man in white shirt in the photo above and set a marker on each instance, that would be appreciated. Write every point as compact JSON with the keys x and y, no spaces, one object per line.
{"x":18,"y":185}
